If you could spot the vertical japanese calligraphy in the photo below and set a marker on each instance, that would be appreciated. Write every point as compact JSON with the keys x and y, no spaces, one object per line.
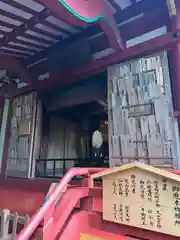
{"x":149,"y":190}
{"x":140,"y":199}
{"x":126,"y":190}
{"x":114,"y":187}
{"x":115,"y":211}
{"x":143,"y":216}
{"x":120,"y":185}
{"x":176,"y":204}
{"x":165,"y":188}
{"x":121,"y":213}
{"x":133,"y":183}
{"x":127,"y":213}
{"x":142,"y":189}
{"x":158,"y":215}
{"x":156,"y":193}
{"x":150,"y":218}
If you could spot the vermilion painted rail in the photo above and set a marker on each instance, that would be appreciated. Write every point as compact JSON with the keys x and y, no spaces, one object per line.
{"x":40,"y":214}
{"x":175,"y":171}
{"x":49,"y":203}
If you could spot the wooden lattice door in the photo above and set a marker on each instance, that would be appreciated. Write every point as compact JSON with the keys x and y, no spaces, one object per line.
{"x":141,"y":123}
{"x":22,"y":128}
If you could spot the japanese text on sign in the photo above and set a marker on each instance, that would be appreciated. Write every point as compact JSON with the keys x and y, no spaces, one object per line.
{"x":143,"y":200}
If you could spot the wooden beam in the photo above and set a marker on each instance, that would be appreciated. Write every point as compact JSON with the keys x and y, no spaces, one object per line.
{"x":19,"y":6}
{"x":84,"y":12}
{"x":115,"y":5}
{"x":12,"y":64}
{"x":27,"y":25}
{"x":129,"y":30}
{"x":112,"y":31}
{"x":162,"y":43}
{"x":142,"y":7}
{"x":12,"y":54}
{"x":134,"y":29}
{"x":174,"y":56}
{"x":76,"y":96}
{"x":60,"y":12}
{"x":138,"y":8}
{"x":6,"y":89}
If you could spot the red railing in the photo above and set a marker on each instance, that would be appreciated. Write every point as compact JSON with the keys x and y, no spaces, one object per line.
{"x":39,"y":216}
{"x":175,"y":171}
{"x":49,"y":204}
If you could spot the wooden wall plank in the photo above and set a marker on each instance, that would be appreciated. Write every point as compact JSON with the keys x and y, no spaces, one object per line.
{"x":141,"y":112}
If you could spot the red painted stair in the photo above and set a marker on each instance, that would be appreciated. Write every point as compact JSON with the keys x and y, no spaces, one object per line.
{"x":78,"y":215}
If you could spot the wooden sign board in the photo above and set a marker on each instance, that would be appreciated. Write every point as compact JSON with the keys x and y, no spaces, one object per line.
{"x":142,"y":196}
{"x":25,"y":128}
{"x":140,"y":110}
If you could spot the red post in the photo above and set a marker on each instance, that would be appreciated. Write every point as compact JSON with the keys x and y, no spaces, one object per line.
{"x":6,"y":140}
{"x":175,"y":65}
{"x":1,"y":109}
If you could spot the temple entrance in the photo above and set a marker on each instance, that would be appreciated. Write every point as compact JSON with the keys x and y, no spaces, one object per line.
{"x":68,"y":128}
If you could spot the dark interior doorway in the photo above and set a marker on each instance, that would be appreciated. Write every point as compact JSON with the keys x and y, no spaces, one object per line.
{"x":78,"y":121}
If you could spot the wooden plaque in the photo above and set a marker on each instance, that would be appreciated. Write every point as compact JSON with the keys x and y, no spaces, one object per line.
{"x":25,"y":128}
{"x":142,"y":196}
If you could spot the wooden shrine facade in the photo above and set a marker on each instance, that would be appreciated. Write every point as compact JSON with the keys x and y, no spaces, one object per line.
{"x":141,"y":120}
{"x":44,"y":45}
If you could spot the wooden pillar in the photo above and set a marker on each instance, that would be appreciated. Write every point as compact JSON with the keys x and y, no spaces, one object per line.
{"x":174,"y":56}
{"x":175,"y":66}
{"x":4,"y":136}
{"x":1,"y":110}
